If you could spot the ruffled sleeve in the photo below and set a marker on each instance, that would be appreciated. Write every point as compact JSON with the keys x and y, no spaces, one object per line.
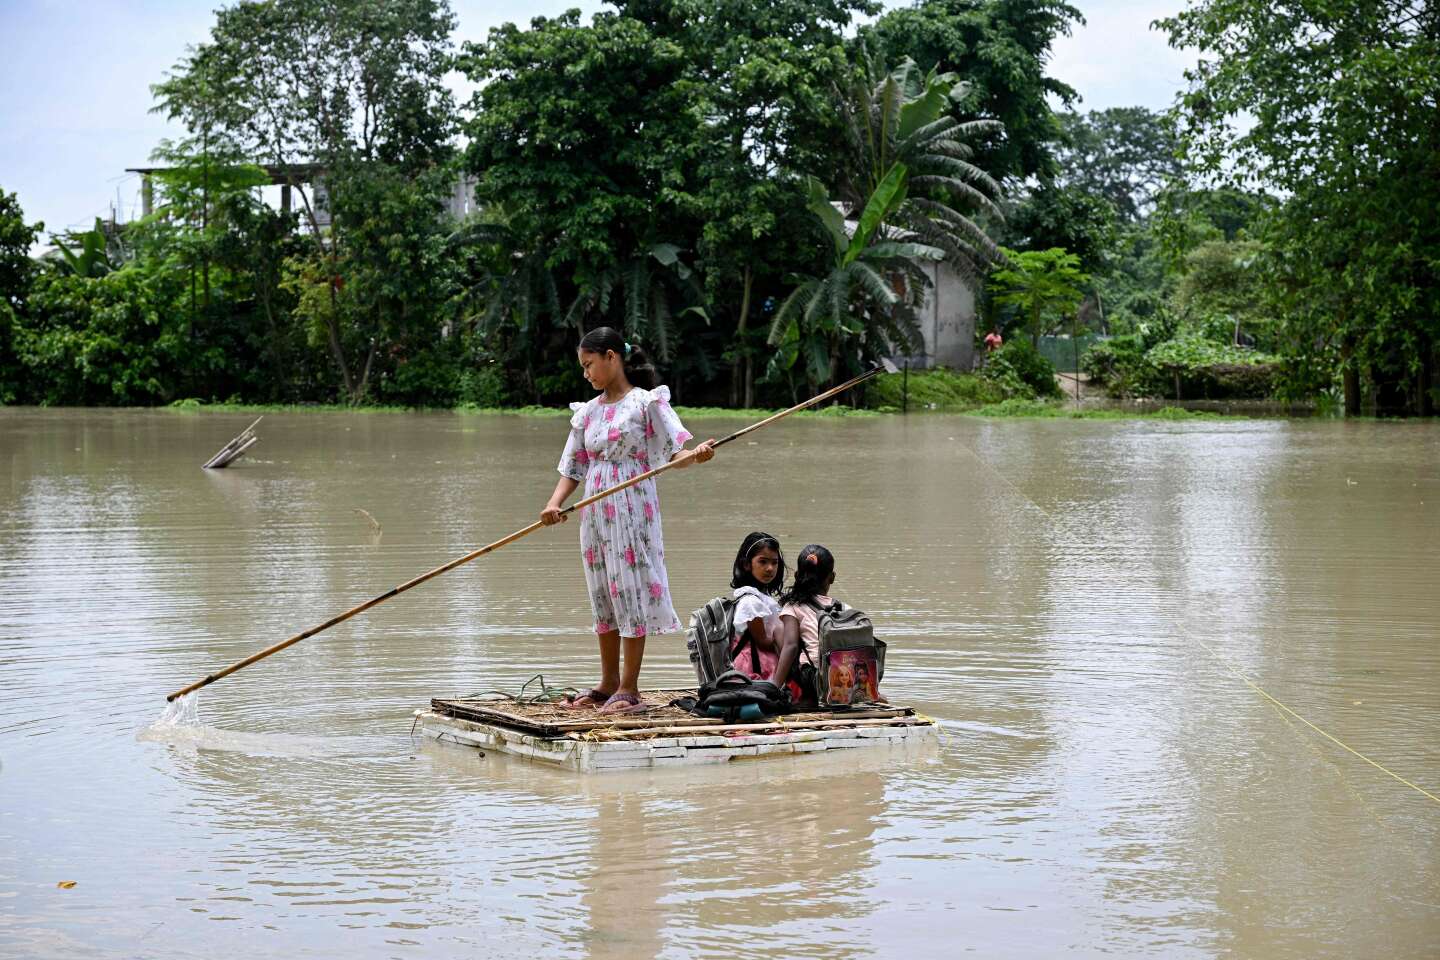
{"x":751,"y":604}
{"x":665,"y":435}
{"x":576,"y":458}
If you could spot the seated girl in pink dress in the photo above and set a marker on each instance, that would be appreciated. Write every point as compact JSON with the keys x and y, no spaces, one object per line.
{"x":800,"y":609}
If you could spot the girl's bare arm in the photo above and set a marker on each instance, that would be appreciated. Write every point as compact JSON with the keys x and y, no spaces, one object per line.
{"x":551,"y":514}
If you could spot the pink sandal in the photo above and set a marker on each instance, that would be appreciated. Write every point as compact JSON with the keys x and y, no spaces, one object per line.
{"x":631,"y":703}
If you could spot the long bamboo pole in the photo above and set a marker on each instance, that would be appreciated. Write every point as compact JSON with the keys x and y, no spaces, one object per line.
{"x":524,"y":531}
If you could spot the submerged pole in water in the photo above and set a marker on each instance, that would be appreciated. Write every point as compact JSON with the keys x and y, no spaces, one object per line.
{"x":491,"y":547}
{"x":233,"y":450}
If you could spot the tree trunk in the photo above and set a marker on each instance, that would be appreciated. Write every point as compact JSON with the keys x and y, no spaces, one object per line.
{"x":1352,"y":390}
{"x":332,"y":330}
{"x":205,"y":217}
{"x":1350,"y":375}
{"x":739,"y":372}
{"x":332,"y":322}
{"x":262,"y":293}
{"x":359,"y":393}
{"x":1425,"y":404}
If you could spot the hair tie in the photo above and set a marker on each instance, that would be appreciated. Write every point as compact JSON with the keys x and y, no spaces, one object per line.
{"x":628,"y":348}
{"x":812,"y":558}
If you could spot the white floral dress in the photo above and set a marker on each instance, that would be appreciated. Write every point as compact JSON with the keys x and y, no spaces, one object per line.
{"x":620,"y":539}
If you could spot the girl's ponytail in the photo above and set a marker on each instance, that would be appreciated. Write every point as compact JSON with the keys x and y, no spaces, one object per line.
{"x":813,"y":568}
{"x":638,"y":368}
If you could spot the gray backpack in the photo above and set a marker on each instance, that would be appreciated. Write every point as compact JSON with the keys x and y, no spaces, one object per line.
{"x":852,"y":660}
{"x":708,"y":640}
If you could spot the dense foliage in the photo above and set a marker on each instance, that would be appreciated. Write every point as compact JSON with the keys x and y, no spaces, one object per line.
{"x":759,"y":193}
{"x":1344,"y":97}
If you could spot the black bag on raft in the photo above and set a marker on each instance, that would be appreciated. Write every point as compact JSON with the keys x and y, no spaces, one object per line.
{"x":734,"y":697}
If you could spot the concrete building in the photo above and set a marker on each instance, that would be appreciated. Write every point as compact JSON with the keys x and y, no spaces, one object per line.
{"x":947,"y":321}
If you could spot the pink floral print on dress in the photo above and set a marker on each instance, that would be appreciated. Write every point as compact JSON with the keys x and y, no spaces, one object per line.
{"x":621,"y":542}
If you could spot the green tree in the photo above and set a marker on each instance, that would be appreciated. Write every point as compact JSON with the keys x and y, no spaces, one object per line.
{"x":1124,"y":154}
{"x":860,"y":300}
{"x":762,"y":76}
{"x":507,"y":297}
{"x":17,"y":273}
{"x":92,"y":254}
{"x":1050,"y":215}
{"x":1344,"y":98}
{"x":339,"y":93}
{"x":583,"y":134}
{"x":901,"y":118}
{"x":1221,"y":294}
{"x":98,"y":340}
{"x":1044,"y":286}
{"x":17,"y":269}
{"x":586,"y":136}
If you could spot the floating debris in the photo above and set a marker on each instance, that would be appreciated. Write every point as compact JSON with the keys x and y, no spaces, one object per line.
{"x":235,"y":449}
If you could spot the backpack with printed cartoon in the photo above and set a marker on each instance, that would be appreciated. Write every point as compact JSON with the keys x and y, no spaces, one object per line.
{"x":851,"y":658}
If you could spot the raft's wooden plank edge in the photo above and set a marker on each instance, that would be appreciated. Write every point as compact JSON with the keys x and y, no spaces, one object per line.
{"x":470,"y":710}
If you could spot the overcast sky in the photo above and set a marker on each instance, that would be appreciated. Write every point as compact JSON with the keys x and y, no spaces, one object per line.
{"x":75,"y":85}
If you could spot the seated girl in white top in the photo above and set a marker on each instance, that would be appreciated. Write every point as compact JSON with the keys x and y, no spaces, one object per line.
{"x":757,"y":576}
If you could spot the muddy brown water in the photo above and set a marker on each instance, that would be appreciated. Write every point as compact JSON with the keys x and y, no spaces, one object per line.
{"x":1105,"y":785}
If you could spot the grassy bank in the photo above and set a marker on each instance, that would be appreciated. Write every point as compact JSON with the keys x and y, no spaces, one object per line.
{"x":929,"y":391}
{"x":1055,"y":409}
{"x":941,"y":391}
{"x":198,"y":406}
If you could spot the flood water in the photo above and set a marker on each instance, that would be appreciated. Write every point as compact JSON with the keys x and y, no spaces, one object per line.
{"x":1076,"y":601}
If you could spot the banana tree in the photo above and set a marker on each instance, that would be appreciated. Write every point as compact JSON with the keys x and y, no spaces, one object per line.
{"x":94,"y":259}
{"x":651,"y":285}
{"x":862,"y":300}
{"x":903,"y":117}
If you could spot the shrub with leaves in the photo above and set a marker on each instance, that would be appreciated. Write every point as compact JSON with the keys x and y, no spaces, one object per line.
{"x":1019,"y":370}
{"x":1120,"y":366}
{"x":1196,"y":365}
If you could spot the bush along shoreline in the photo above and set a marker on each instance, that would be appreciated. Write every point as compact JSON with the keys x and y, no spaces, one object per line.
{"x":995,"y":392}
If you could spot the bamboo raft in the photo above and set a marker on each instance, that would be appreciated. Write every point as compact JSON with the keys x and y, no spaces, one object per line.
{"x":662,"y":736}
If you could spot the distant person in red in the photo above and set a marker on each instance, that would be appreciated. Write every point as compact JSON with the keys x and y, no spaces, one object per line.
{"x":993,"y":340}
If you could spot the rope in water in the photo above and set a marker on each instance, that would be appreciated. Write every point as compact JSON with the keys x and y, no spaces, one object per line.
{"x":1006,"y":480}
{"x":1225,"y":663}
{"x":1328,"y":736}
{"x":547,"y":694}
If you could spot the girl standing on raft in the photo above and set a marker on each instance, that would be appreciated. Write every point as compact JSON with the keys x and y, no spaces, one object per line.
{"x":625,"y":430}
